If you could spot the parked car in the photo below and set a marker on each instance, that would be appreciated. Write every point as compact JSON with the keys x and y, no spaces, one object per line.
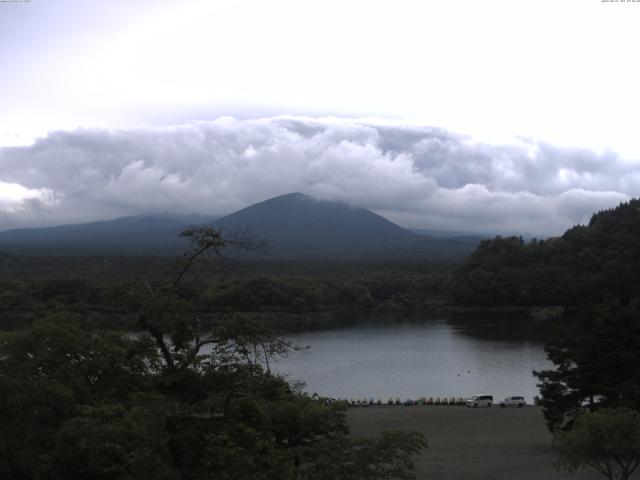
{"x":480,"y":401}
{"x":514,"y":401}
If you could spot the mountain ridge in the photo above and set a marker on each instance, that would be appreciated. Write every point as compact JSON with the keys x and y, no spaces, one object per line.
{"x":296,"y":225}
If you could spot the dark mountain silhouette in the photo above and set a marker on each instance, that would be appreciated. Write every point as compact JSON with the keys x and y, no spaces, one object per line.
{"x":155,"y":235}
{"x":296,"y":214}
{"x":299,"y":226}
{"x":295,"y":225}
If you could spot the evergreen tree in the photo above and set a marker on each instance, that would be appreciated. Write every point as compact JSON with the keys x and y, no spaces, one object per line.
{"x":596,"y":358}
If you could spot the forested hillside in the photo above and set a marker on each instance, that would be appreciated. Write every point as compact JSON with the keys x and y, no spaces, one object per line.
{"x":592,"y":272}
{"x":83,"y":403}
{"x":298,"y":294}
{"x":587,"y":264}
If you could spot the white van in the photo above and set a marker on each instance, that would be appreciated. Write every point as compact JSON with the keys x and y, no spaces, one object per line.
{"x":516,"y":401}
{"x":480,"y":401}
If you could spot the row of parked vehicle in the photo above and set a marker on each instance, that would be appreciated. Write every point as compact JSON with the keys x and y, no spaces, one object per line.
{"x":487,"y":401}
{"x":473,"y":402}
{"x":420,"y":401}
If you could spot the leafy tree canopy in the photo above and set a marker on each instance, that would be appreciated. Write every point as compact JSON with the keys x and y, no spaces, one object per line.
{"x":596,"y":358}
{"x":587,"y":264}
{"x":175,"y":402}
{"x":607,"y":441}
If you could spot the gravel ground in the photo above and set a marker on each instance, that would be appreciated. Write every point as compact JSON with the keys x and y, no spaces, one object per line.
{"x":467,"y":443}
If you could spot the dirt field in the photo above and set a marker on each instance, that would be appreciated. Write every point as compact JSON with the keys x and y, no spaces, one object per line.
{"x":465,"y":443}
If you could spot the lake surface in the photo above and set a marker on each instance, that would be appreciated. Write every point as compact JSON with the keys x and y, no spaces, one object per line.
{"x":431,"y":359}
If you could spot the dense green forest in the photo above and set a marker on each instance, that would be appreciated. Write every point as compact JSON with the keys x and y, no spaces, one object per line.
{"x":592,"y":273}
{"x":78,"y":402}
{"x":298,"y":294}
{"x":587,"y":264}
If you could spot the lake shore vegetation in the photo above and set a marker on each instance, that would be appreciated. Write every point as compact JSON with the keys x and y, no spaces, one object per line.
{"x":78,"y":402}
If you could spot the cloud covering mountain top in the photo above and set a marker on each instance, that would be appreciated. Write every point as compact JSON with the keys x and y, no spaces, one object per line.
{"x":414,"y":175}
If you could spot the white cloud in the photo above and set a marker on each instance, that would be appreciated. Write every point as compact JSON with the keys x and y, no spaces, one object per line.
{"x":554,"y":70}
{"x":15,"y":198}
{"x":415,"y":175}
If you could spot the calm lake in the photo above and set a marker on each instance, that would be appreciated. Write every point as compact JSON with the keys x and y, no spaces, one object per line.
{"x":434,"y":358}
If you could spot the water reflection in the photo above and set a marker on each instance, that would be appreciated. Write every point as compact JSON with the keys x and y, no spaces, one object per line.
{"x":500,"y":327}
{"x":433,"y":358}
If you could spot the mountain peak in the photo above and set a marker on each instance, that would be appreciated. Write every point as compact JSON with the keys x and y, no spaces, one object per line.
{"x":288,"y":197}
{"x":297,"y":226}
{"x":296,"y":195}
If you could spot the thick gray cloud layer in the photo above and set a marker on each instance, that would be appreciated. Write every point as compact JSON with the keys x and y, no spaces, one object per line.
{"x":416,"y":176}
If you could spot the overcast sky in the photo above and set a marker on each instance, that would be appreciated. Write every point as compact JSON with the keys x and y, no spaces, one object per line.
{"x":494,"y":115}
